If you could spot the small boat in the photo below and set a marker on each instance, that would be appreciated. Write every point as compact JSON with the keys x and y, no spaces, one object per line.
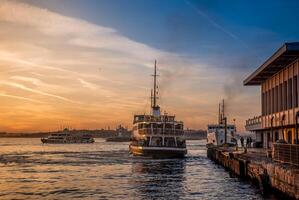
{"x":122,"y":135}
{"x":221,"y":133}
{"x":156,"y":135}
{"x":67,"y":137}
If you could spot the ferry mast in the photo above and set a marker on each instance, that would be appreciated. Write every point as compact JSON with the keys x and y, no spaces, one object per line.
{"x":155,"y":107}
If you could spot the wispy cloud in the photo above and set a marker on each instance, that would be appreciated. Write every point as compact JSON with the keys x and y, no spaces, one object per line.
{"x":23,"y":87}
{"x":19,"y":98}
{"x":54,"y":60}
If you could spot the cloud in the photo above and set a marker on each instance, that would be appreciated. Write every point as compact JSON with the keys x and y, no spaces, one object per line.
{"x":20,"y":98}
{"x":23,"y":87}
{"x":52,"y":62}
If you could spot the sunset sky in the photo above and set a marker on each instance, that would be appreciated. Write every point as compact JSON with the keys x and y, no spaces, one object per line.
{"x":87,"y":63}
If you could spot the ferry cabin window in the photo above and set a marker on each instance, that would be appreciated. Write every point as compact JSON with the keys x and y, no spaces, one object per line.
{"x":140,"y":126}
{"x":156,"y":141}
{"x":169,"y":142}
{"x":169,"y":126}
{"x":178,"y":126}
{"x":160,"y":125}
{"x":147,"y":141}
{"x":154,"y":125}
{"x":181,"y":142}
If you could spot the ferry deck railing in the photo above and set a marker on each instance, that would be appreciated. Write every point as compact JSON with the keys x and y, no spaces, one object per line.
{"x":159,"y":131}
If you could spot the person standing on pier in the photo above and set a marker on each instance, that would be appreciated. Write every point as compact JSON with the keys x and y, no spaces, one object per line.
{"x":242,"y":141}
{"x":247,"y":142}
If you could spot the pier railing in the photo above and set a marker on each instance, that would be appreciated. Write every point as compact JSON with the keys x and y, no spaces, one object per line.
{"x":286,"y":153}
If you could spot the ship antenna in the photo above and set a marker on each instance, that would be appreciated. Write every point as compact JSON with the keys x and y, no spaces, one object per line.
{"x":223,"y":108}
{"x":219,"y":115}
{"x":151,"y":97}
{"x":155,"y":107}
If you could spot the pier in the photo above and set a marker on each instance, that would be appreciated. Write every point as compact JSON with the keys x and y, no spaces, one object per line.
{"x":256,"y":164}
{"x":275,"y":165}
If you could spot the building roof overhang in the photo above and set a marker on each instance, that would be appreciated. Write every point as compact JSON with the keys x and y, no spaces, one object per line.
{"x":279,"y":60}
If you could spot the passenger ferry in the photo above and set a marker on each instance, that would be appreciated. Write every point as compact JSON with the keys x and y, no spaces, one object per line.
{"x":157,"y":135}
{"x":66,"y":137}
{"x":216,"y":132}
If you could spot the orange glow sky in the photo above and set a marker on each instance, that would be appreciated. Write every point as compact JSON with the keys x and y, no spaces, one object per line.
{"x":57,"y":70}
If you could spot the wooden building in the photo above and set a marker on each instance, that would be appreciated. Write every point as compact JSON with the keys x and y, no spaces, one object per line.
{"x":279,"y":79}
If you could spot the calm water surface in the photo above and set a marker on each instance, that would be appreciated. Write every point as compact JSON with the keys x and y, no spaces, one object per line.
{"x":31,"y":170}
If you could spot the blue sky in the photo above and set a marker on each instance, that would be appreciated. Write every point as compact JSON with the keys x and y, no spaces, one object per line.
{"x":86,"y":63}
{"x":210,"y":30}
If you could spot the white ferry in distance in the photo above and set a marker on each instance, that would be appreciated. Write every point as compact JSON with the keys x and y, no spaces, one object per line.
{"x":216,"y":132}
{"x":66,"y":137}
{"x":156,"y":135}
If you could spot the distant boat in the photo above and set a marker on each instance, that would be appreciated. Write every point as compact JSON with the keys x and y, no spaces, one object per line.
{"x":120,"y":137}
{"x":216,"y":132}
{"x":156,"y":135}
{"x":66,"y":137}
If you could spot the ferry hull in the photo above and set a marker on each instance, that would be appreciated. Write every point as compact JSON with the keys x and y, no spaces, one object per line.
{"x":46,"y":141}
{"x":158,"y":152}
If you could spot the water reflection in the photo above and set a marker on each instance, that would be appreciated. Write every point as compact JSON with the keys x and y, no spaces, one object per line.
{"x":159,"y":178}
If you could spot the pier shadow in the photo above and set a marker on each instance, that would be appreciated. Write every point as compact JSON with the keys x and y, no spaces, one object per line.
{"x":159,"y":179}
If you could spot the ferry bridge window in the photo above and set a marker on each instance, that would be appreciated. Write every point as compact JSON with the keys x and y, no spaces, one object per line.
{"x":160,"y":125}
